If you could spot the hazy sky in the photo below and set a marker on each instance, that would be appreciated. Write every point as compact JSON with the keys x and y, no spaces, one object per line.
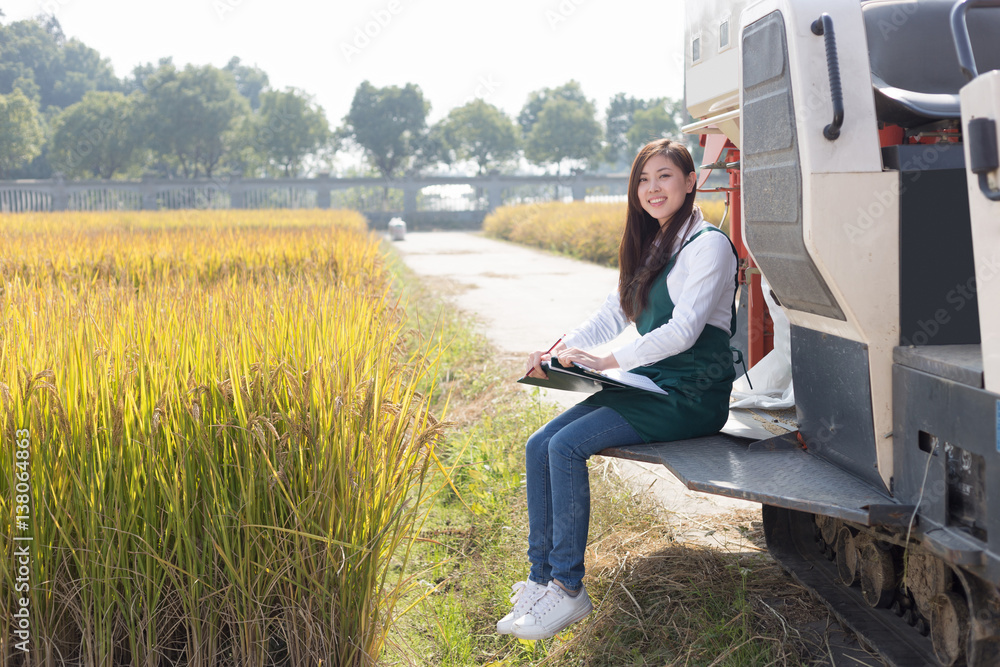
{"x":453,"y":49}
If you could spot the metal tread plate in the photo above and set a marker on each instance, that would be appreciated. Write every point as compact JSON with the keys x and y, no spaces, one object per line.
{"x":960,"y":363}
{"x":773,"y":472}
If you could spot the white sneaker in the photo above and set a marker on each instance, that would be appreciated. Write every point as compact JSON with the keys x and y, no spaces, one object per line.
{"x":525,"y":594}
{"x":553,"y":612}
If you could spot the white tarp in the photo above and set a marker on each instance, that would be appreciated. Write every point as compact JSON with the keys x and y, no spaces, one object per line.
{"x":772,"y":376}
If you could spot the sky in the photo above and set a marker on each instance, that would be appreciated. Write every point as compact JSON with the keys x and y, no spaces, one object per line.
{"x":455,"y":50}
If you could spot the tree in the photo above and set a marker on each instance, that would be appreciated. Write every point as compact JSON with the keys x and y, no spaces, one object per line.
{"x":82,"y":70}
{"x":98,"y":136}
{"x":618,"y":120}
{"x":652,"y":123}
{"x":20,"y":132}
{"x":28,"y":56}
{"x":36,"y":57}
{"x":430,"y":148}
{"x":570,"y":92}
{"x":250,"y":81}
{"x":289,"y":127}
{"x":632,"y":122}
{"x":388,"y":124}
{"x":480,"y":131}
{"x":564,"y":130}
{"x":192,"y":117}
{"x":142,"y":73}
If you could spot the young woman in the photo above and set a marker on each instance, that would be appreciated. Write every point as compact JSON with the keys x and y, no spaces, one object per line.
{"x":677,"y":284}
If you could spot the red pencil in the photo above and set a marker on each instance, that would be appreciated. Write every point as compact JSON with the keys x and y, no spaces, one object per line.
{"x":546,"y":352}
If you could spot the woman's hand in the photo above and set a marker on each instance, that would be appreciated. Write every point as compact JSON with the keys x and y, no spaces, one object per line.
{"x":584,"y":358}
{"x":536,"y":358}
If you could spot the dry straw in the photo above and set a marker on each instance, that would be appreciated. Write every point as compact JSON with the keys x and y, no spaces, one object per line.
{"x":229,"y":452}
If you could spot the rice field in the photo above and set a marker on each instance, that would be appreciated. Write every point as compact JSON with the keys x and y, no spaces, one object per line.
{"x":584,"y":230}
{"x":213,"y":446}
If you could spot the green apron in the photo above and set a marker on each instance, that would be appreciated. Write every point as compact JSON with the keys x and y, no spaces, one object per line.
{"x":698,"y":380}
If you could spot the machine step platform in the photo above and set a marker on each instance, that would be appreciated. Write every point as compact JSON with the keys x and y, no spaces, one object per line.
{"x":776,"y":471}
{"x":960,"y":363}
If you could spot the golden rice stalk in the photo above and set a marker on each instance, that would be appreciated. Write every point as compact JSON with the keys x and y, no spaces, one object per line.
{"x":228,"y":448}
{"x":588,"y":231}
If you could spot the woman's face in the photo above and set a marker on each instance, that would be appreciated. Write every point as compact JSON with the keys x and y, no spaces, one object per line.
{"x":663,"y":187}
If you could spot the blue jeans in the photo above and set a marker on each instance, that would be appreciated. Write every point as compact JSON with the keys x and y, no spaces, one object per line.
{"x":559,"y":488}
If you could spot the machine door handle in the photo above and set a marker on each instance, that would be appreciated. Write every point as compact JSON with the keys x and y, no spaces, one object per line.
{"x":960,"y":33}
{"x":824,"y":26}
{"x":983,"y":153}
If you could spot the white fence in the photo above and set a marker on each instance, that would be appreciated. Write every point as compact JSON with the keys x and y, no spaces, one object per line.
{"x":444,"y":194}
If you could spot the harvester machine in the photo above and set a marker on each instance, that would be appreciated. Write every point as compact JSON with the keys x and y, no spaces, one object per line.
{"x":861,"y":143}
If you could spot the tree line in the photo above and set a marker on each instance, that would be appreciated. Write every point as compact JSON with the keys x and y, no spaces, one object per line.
{"x":63,"y":110}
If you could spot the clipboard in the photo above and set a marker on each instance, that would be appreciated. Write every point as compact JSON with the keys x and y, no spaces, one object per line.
{"x":587,"y":380}
{"x":563,"y":379}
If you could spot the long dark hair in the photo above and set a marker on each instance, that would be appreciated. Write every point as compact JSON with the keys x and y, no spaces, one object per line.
{"x":643,"y":236}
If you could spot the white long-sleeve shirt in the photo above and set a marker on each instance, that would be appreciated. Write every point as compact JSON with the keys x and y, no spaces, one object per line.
{"x":700,"y":285}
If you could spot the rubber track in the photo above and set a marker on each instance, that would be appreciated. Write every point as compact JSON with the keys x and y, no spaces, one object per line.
{"x":791,"y":541}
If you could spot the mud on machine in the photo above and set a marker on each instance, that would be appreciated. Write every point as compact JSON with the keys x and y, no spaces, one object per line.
{"x":862,"y":148}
